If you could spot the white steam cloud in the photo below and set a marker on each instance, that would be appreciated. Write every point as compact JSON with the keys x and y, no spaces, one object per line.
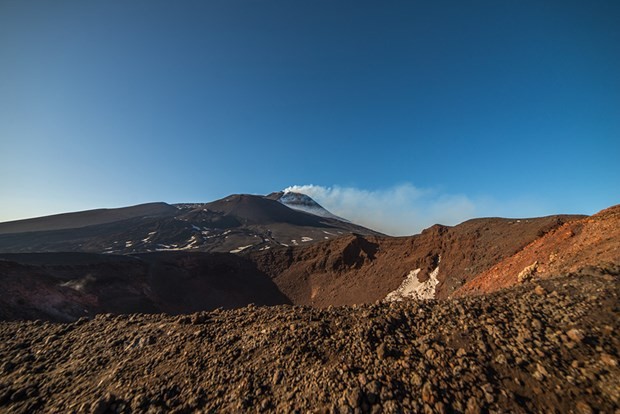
{"x":400,"y":210}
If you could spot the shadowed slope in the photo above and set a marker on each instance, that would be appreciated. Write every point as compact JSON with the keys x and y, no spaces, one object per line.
{"x":87,"y":218}
{"x":66,"y":286}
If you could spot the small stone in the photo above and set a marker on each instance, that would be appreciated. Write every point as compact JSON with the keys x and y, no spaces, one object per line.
{"x":353,"y":396}
{"x":277,"y":377}
{"x":101,"y":405}
{"x":139,"y":401}
{"x":542,"y":370}
{"x":8,"y":366}
{"x":527,"y":273}
{"x":461,"y":352}
{"x":608,"y":360}
{"x":345,"y":409}
{"x":19,"y":395}
{"x":539,"y":290}
{"x":576,"y":335}
{"x":416,"y":379}
{"x":199,"y":318}
{"x":84,"y":408}
{"x":184,"y":320}
{"x":428,"y":396}
{"x":147,"y":340}
{"x":440,"y":408}
{"x":51,"y":339}
{"x":431,"y":354}
{"x":81,"y":321}
{"x":472,"y":406}
{"x":583,"y":408}
{"x":372,"y":397}
{"x":381,"y":352}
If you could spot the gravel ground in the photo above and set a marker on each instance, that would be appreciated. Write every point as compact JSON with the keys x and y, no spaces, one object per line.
{"x":546,"y":346}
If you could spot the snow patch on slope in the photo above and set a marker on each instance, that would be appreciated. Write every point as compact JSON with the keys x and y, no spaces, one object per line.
{"x":241,"y":248}
{"x":412,"y":288}
{"x":79,"y":284}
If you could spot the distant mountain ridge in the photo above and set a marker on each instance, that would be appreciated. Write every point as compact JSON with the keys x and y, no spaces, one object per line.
{"x":440,"y":262}
{"x":86,"y":218}
{"x":283,"y":248}
{"x":237,"y":223}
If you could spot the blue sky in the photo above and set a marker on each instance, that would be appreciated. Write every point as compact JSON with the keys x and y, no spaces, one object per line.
{"x":463,"y":109}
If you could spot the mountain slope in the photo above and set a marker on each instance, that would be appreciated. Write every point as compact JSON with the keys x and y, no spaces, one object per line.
{"x":233,"y":224}
{"x":592,"y":241}
{"x":364,"y":269}
{"x":87,"y":218}
{"x":476,"y":256}
{"x":67,"y":286}
{"x":350,"y":269}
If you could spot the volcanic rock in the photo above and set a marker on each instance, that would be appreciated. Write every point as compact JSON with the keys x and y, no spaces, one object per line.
{"x":248,"y":359}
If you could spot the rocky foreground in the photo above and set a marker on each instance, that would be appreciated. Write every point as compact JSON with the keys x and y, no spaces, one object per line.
{"x":546,"y":346}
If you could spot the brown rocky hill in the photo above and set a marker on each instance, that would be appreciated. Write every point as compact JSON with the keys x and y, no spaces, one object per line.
{"x":591,"y":241}
{"x":364,"y":269}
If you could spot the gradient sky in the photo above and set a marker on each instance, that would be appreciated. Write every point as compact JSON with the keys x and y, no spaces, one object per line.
{"x":491,"y":107}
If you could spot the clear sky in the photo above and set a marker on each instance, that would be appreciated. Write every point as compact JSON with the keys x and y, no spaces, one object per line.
{"x":456,"y":108}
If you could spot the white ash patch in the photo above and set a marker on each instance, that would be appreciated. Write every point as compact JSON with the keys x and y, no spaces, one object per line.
{"x":240,"y":249}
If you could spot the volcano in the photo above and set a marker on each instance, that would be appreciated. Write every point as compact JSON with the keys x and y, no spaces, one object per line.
{"x":234,"y":224}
